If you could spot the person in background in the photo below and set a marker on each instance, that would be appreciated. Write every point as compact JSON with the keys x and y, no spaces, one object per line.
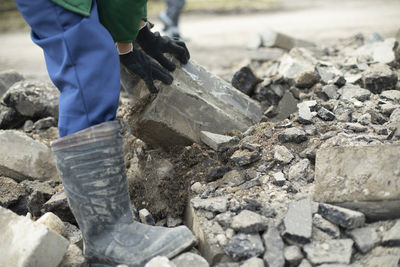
{"x":84,"y":42}
{"x":170,"y":18}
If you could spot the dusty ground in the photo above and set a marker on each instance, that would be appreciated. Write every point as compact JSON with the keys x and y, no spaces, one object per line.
{"x":218,"y":41}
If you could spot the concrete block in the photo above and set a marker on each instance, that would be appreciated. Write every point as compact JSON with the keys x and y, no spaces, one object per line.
{"x":218,"y":142}
{"x":272,"y":38}
{"x":25,"y":243}
{"x":363,"y":178}
{"x":196,"y":101}
{"x":22,"y":157}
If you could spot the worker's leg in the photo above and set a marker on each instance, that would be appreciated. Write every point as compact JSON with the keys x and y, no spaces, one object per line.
{"x":174,"y":9}
{"x":81,"y":60}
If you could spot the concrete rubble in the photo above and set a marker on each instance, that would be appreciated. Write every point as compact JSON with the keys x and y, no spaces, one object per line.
{"x":301,"y":171}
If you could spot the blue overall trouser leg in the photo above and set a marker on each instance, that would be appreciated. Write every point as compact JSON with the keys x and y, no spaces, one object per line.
{"x":81,"y":60}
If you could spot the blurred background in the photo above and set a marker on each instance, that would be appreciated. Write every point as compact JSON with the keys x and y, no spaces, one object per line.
{"x":218,"y":32}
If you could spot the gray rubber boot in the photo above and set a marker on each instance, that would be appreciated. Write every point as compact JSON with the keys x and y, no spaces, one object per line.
{"x":92,"y":169}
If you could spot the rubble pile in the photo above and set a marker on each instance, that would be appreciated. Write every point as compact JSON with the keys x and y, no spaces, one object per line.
{"x":314,"y":182}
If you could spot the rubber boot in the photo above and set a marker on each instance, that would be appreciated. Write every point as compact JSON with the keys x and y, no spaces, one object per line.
{"x":91,"y":166}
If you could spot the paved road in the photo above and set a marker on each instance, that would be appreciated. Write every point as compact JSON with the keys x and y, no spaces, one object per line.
{"x":219,"y":41}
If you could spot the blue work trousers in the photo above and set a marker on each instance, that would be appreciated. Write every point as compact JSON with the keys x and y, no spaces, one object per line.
{"x":81,"y":59}
{"x":174,"y":8}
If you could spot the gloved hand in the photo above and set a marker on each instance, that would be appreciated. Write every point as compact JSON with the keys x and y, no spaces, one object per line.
{"x":155,"y":45}
{"x":139,"y":63}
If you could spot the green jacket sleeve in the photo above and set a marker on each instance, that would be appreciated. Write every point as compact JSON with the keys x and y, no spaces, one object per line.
{"x":122,"y":18}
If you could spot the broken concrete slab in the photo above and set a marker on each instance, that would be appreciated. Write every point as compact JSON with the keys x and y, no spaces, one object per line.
{"x":326,"y":226}
{"x":365,"y":238}
{"x":382,"y":51}
{"x":293,"y":255}
{"x":215,"y":204}
{"x":378,"y":78}
{"x":298,"y":221}
{"x":330,"y":251}
{"x":348,"y":92}
{"x":343,"y":217}
{"x":352,"y":177}
{"x":196,"y":101}
{"x":287,"y":106}
{"x":274,"y":247}
{"x":190,"y":259}
{"x":245,"y":80}
{"x":32,"y":244}
{"x":218,"y":142}
{"x":33,"y":99}
{"x":283,"y":155}
{"x":270,"y":38}
{"x":249,"y":222}
{"x":392,"y":237}
{"x":22,"y":157}
{"x":244,"y":246}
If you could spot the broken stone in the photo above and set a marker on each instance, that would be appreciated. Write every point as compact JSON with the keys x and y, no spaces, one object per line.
{"x":33,"y":99}
{"x":352,"y":177}
{"x":382,"y":52}
{"x":217,"y":142}
{"x":73,"y":257}
{"x":274,"y":246}
{"x":279,"y":179}
{"x":348,"y":92}
{"x":305,"y":113}
{"x":159,"y":261}
{"x":58,"y":204}
{"x":287,"y":106}
{"x":365,"y":238}
{"x":346,"y":218}
{"x":190,"y":259}
{"x":325,"y":114}
{"x":9,"y":77}
{"x":306,"y":80}
{"x":272,"y":38}
{"x":293,"y":255}
{"x":217,"y":173}
{"x":245,"y":157}
{"x":253,"y":262}
{"x":283,"y":155}
{"x":330,"y":251}
{"x":330,"y":91}
{"x":32,"y":242}
{"x":173,"y":222}
{"x":244,"y":246}
{"x":305,"y":263}
{"x":9,"y":118}
{"x":146,"y":217}
{"x":44,"y":123}
{"x":393,"y":95}
{"x":245,"y":81}
{"x":356,"y":127}
{"x":299,"y":170}
{"x":392,"y":237}
{"x":326,"y":226}
{"x":28,"y":126}
{"x":378,"y":78}
{"x":248,"y":222}
{"x":298,"y":221}
{"x":15,"y":163}
{"x":216,"y":204}
{"x":292,"y":135}
{"x":12,"y":195}
{"x":385,"y":260}
{"x":35,"y":202}
{"x":74,"y":235}
{"x":205,"y":103}
{"x":54,"y":223}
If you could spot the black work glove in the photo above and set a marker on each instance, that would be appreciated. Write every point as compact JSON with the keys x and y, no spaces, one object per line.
{"x":139,"y":63}
{"x":155,"y":45}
